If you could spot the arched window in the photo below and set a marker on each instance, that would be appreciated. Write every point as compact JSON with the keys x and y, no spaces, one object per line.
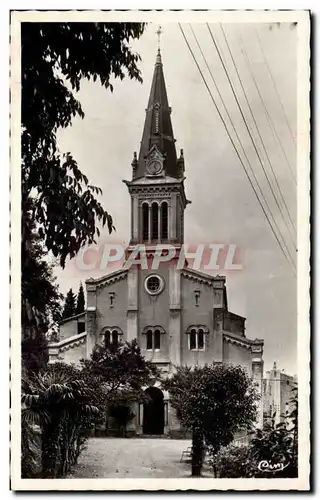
{"x":153,"y":337}
{"x":149,"y":340}
{"x":197,"y":337}
{"x":111,"y":335}
{"x":107,"y":338}
{"x":200,"y":339}
{"x":164,"y":221}
{"x":145,"y":221}
{"x":157,"y":339}
{"x":155,"y":220}
{"x":115,"y":337}
{"x":193,"y":339}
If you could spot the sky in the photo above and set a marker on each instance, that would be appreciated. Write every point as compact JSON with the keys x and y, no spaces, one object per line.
{"x":224,"y":207}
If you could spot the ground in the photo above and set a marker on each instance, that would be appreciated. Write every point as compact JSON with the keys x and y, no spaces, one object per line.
{"x":143,"y":458}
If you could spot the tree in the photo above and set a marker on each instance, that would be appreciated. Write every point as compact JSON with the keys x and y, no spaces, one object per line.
{"x":80,"y":300}
{"x":59,"y":205}
{"x":214,"y":402}
{"x":55,"y":57}
{"x":122,"y":415}
{"x":272,"y":452}
{"x":69,"y":309}
{"x":60,"y":403}
{"x":40,"y":301}
{"x":117,"y":373}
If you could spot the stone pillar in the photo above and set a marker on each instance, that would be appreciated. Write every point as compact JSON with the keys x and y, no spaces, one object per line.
{"x":91,"y":318}
{"x":149,"y":223}
{"x":174,"y":424}
{"x":132,"y":312}
{"x":166,"y":430}
{"x":172,"y":217}
{"x":135,"y":219}
{"x":257,"y":377}
{"x":91,"y":327}
{"x":139,"y":419}
{"x":175,"y":316}
{"x":159,"y":223}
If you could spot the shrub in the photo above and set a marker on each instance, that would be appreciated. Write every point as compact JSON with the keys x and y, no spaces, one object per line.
{"x":233,"y":461}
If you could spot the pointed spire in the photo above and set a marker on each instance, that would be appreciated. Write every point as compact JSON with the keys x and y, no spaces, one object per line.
{"x":157,"y":127}
{"x":158,"y":59}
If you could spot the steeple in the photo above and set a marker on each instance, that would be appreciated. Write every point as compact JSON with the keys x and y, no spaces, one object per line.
{"x":158,"y":198}
{"x":157,"y":137}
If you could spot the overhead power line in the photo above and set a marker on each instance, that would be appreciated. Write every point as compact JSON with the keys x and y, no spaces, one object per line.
{"x":246,"y":125}
{"x":270,"y":121}
{"x":233,"y":143}
{"x":233,"y":126}
{"x":262,"y":142}
{"x":275,"y":87}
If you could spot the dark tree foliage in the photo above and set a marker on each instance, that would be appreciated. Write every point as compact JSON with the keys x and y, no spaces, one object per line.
{"x":40,"y":301}
{"x":69,"y":309}
{"x":80,"y":300}
{"x":214,"y":403}
{"x":60,"y":403}
{"x":118,"y":373}
{"x":60,"y":210}
{"x":55,"y":57}
{"x":271,"y":452}
{"x":122,"y":415}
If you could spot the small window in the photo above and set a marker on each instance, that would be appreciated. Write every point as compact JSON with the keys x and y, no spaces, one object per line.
{"x":193,"y":339}
{"x":155,"y":222}
{"x":145,"y":221}
{"x":107,"y":338}
{"x":157,"y":339}
{"x":164,"y":220}
{"x":154,"y":284}
{"x":149,"y":340}
{"x":200,"y":339}
{"x":81,"y":327}
{"x":197,"y":338}
{"x":153,"y":341}
{"x":115,"y":337}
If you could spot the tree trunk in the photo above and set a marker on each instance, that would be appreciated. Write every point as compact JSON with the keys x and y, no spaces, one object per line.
{"x":49,"y":449}
{"x":197,"y":454}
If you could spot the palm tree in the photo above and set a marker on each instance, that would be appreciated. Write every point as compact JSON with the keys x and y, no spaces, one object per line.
{"x":58,"y":401}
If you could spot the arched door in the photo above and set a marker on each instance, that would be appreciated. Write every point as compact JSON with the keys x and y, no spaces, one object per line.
{"x":153,"y":412}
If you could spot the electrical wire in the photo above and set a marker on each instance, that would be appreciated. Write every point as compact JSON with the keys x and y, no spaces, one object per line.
{"x":246,"y":125}
{"x":275,"y":87}
{"x":262,"y":142}
{"x":233,"y":143}
{"x":270,"y":121}
{"x":248,"y":130}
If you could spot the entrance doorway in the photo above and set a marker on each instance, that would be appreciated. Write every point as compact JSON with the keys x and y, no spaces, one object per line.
{"x":153,"y":412}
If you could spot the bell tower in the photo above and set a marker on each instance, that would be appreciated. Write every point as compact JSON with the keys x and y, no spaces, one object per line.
{"x":157,"y":191}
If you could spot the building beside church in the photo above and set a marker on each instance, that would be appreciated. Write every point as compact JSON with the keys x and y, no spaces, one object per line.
{"x":278,"y":389}
{"x":178,"y":316}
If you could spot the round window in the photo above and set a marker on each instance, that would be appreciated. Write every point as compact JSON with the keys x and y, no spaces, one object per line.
{"x":154,"y":284}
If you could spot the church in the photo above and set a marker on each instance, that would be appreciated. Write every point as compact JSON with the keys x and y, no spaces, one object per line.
{"x":179,"y":316}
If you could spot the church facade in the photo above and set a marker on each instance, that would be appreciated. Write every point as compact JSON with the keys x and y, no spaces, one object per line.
{"x":179,"y":316}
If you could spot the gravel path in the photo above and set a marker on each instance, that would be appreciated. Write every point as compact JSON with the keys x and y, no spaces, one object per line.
{"x":143,"y":458}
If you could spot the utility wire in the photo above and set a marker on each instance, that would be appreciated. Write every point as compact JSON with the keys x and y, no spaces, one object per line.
{"x":275,"y":87}
{"x":232,"y":141}
{"x":262,"y":142}
{"x":270,"y":121}
{"x":246,"y":124}
{"x":232,"y":124}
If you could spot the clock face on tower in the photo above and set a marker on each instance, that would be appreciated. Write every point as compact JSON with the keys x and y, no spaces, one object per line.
{"x":154,"y":167}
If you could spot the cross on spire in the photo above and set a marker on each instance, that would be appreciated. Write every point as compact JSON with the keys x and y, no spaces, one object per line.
{"x":159,"y":33}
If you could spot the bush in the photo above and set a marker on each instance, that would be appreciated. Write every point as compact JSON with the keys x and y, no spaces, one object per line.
{"x":59,"y":402}
{"x":233,"y":461}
